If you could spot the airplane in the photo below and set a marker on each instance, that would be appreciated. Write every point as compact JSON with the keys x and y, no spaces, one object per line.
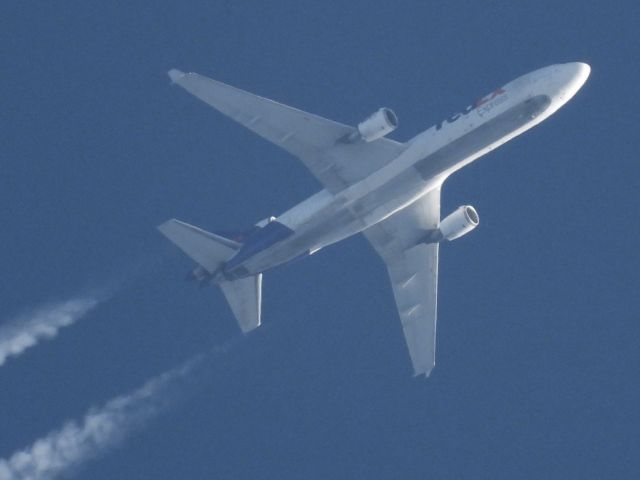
{"x":389,"y":191}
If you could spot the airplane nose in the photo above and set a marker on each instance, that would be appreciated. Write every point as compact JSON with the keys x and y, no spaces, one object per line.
{"x":576,"y":74}
{"x":571,"y":77}
{"x":580,"y":71}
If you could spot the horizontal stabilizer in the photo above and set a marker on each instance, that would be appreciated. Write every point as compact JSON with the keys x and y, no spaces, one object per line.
{"x":245,"y":299}
{"x":208,"y":249}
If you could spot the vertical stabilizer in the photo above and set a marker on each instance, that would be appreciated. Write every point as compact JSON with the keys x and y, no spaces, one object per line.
{"x":245,"y":299}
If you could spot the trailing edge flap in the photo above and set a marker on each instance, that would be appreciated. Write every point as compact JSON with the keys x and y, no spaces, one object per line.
{"x":245,"y":299}
{"x":413,"y":270}
{"x":208,"y":249}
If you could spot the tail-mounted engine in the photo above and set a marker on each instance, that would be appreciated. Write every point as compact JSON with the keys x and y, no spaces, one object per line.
{"x":379,"y":124}
{"x":459,"y":223}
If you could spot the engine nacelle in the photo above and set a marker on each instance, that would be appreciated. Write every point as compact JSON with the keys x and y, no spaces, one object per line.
{"x":459,"y":223}
{"x":378,"y":125}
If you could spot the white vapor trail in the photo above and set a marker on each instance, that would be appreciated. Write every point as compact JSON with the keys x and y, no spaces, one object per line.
{"x":26,"y":331}
{"x":63,"y":451}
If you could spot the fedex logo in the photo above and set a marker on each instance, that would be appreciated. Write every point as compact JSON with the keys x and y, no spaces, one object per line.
{"x":484,"y":105}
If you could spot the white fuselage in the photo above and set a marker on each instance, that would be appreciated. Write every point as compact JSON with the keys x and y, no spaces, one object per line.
{"x":429,"y":158}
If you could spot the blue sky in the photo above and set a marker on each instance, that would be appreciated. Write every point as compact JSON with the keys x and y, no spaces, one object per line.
{"x":537,"y":367}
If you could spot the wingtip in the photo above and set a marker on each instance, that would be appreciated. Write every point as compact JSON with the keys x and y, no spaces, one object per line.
{"x":175,"y":75}
{"x":423,"y":372}
{"x":164,"y":225}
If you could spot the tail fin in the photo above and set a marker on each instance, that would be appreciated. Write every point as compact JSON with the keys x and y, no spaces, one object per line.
{"x":210,"y":251}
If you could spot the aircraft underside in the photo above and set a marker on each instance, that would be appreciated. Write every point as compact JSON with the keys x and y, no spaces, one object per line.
{"x":388,"y":190}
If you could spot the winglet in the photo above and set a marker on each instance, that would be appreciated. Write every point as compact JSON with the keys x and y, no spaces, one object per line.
{"x":175,"y":75}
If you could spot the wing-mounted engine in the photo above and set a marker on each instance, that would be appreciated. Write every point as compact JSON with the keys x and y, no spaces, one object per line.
{"x":376,"y":126}
{"x":464,"y":219}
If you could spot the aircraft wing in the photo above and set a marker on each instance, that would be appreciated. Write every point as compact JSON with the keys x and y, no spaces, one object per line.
{"x":413,"y":269}
{"x":311,"y":138}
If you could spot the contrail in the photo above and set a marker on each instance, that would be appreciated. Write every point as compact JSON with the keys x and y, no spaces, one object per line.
{"x":26,"y":331}
{"x":63,"y":451}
